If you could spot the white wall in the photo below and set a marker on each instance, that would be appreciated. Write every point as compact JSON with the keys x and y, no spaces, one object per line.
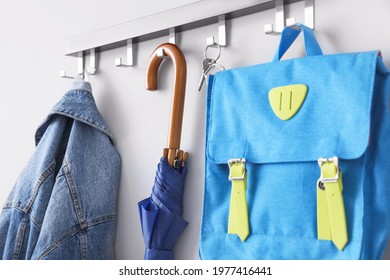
{"x":32,"y":36}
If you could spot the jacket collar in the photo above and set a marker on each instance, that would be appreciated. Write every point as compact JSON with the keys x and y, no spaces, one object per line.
{"x":78,"y":103}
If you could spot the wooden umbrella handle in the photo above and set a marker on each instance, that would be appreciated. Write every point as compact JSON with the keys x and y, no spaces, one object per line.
{"x":179,"y":85}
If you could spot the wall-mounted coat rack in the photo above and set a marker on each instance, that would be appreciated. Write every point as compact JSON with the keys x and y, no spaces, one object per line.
{"x":167,"y":23}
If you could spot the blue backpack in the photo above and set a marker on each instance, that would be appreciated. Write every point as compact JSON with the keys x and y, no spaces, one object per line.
{"x":298,"y":157}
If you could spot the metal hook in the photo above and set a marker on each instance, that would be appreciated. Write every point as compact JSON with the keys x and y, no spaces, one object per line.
{"x":161,"y":54}
{"x":279,"y":20}
{"x":210,"y":41}
{"x":81,"y":71}
{"x":172,"y":40}
{"x":309,"y":15}
{"x":290,"y":22}
{"x":129,"y":57}
{"x":172,"y":35}
{"x":80,"y":67}
{"x":92,"y":62}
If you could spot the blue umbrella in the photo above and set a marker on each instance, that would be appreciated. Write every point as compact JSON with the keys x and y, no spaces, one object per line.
{"x":161,"y":213}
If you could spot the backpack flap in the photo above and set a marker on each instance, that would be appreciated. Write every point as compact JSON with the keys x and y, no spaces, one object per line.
{"x":334,"y":118}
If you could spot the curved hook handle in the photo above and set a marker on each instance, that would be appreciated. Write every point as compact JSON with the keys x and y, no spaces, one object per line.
{"x":179,"y":85}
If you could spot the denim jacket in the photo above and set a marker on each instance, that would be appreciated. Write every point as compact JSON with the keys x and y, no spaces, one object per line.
{"x":64,"y":203}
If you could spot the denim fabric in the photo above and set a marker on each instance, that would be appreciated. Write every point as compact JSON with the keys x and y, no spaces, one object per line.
{"x":64,"y":204}
{"x":345,"y":114}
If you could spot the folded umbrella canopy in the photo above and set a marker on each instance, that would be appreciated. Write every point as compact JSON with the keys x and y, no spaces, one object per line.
{"x":161,"y":213}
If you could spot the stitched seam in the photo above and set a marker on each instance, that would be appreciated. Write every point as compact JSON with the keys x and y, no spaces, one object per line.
{"x":37,"y":222}
{"x":58,"y":242}
{"x":38,"y":185}
{"x":209,"y":110}
{"x":19,"y":240}
{"x":83,"y":245}
{"x":74,"y":230}
{"x":74,"y":195}
{"x":364,"y":216}
{"x":102,"y":219}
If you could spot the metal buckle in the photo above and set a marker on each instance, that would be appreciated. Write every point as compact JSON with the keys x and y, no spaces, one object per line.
{"x":235,"y":161}
{"x":321,"y":161}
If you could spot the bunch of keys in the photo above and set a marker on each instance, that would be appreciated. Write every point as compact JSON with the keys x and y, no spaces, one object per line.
{"x":209,"y":64}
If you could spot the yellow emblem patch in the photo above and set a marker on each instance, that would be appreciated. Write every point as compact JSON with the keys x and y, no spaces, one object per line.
{"x":287,"y":100}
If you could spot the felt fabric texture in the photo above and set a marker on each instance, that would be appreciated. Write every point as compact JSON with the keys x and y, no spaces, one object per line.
{"x":345,"y":114}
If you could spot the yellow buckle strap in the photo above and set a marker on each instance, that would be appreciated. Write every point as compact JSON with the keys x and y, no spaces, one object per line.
{"x":331,"y":220}
{"x":238,"y":213}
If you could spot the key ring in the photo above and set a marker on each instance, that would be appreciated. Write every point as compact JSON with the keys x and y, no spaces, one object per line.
{"x":212,"y":46}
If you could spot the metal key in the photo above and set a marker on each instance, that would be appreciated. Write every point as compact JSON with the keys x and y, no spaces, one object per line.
{"x":207,"y":63}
